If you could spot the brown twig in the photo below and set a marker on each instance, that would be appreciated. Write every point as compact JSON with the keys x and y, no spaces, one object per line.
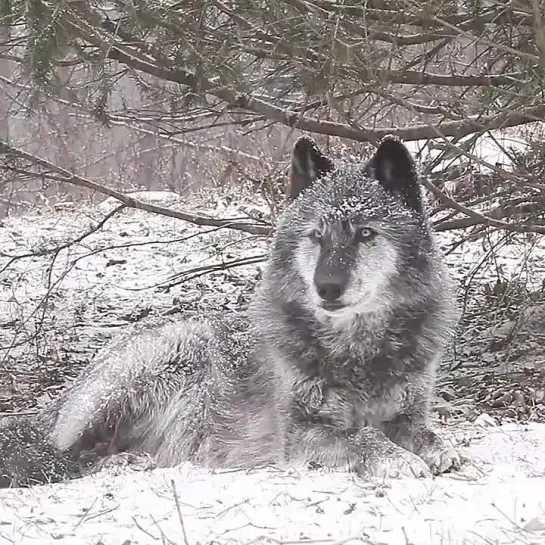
{"x":131,"y":202}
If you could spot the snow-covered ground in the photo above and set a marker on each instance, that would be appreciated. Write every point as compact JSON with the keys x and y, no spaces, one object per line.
{"x":498,"y":498}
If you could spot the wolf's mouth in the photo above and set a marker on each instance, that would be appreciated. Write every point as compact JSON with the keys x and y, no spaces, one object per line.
{"x":332,"y":307}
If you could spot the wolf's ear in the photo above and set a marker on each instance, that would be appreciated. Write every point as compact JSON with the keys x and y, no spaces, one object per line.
{"x":307,"y":164}
{"x":394,"y":168}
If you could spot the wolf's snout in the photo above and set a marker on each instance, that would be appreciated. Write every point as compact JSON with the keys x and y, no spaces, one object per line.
{"x":330,"y":291}
{"x":329,"y":287}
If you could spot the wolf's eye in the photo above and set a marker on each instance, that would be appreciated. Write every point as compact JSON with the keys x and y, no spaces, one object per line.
{"x":315,"y":236}
{"x":364,"y":234}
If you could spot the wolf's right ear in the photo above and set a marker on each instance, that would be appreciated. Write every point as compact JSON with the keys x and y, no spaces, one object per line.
{"x":307,"y":164}
{"x":395,"y":170}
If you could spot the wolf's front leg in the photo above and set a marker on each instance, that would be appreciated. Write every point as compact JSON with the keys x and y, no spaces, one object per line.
{"x":367,"y":451}
{"x":383,"y":458}
{"x":411,"y":431}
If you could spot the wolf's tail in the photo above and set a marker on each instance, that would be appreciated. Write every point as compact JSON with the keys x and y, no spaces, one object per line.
{"x":28,"y":457}
{"x":53,"y":445}
{"x":129,"y":382}
{"x":140,"y":393}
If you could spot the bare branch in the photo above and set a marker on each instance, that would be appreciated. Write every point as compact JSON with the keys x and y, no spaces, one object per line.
{"x":131,"y":202}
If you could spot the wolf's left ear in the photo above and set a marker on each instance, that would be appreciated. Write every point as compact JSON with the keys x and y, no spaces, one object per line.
{"x":307,"y":164}
{"x":394,"y":168}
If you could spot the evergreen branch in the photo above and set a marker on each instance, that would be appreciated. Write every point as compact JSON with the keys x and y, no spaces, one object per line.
{"x":164,"y":69}
{"x":497,"y":15}
{"x":131,"y":56}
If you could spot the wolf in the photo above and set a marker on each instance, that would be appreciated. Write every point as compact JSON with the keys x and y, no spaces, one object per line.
{"x":333,"y":365}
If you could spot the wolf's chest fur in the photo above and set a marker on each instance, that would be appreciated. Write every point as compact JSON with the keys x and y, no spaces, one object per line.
{"x":355,"y":396}
{"x":354,"y":379}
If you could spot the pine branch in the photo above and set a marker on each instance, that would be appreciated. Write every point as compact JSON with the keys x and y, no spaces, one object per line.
{"x":162,"y":68}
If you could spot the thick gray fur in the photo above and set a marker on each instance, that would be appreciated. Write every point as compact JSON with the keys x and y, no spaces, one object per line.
{"x":333,"y":365}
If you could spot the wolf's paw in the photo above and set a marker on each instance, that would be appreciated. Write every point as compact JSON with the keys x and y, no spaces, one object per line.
{"x":121,"y":462}
{"x":396,"y":464}
{"x":441,"y":457}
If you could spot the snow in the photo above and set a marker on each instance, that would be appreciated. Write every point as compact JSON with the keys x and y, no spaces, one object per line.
{"x":130,"y":241}
{"x":498,"y":497}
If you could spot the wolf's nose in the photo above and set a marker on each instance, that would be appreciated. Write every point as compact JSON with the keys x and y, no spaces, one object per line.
{"x":329,"y":291}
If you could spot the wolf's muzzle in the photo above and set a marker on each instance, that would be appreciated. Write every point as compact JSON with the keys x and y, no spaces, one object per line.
{"x":330,"y":286}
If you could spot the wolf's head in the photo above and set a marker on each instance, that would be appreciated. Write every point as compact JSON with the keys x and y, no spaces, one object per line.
{"x":355,"y":235}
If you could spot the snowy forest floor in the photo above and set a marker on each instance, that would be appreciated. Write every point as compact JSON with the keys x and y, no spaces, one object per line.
{"x":58,"y":306}
{"x":497,"y":499}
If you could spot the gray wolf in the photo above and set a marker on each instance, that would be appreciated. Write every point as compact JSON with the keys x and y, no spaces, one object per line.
{"x":333,"y":364}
